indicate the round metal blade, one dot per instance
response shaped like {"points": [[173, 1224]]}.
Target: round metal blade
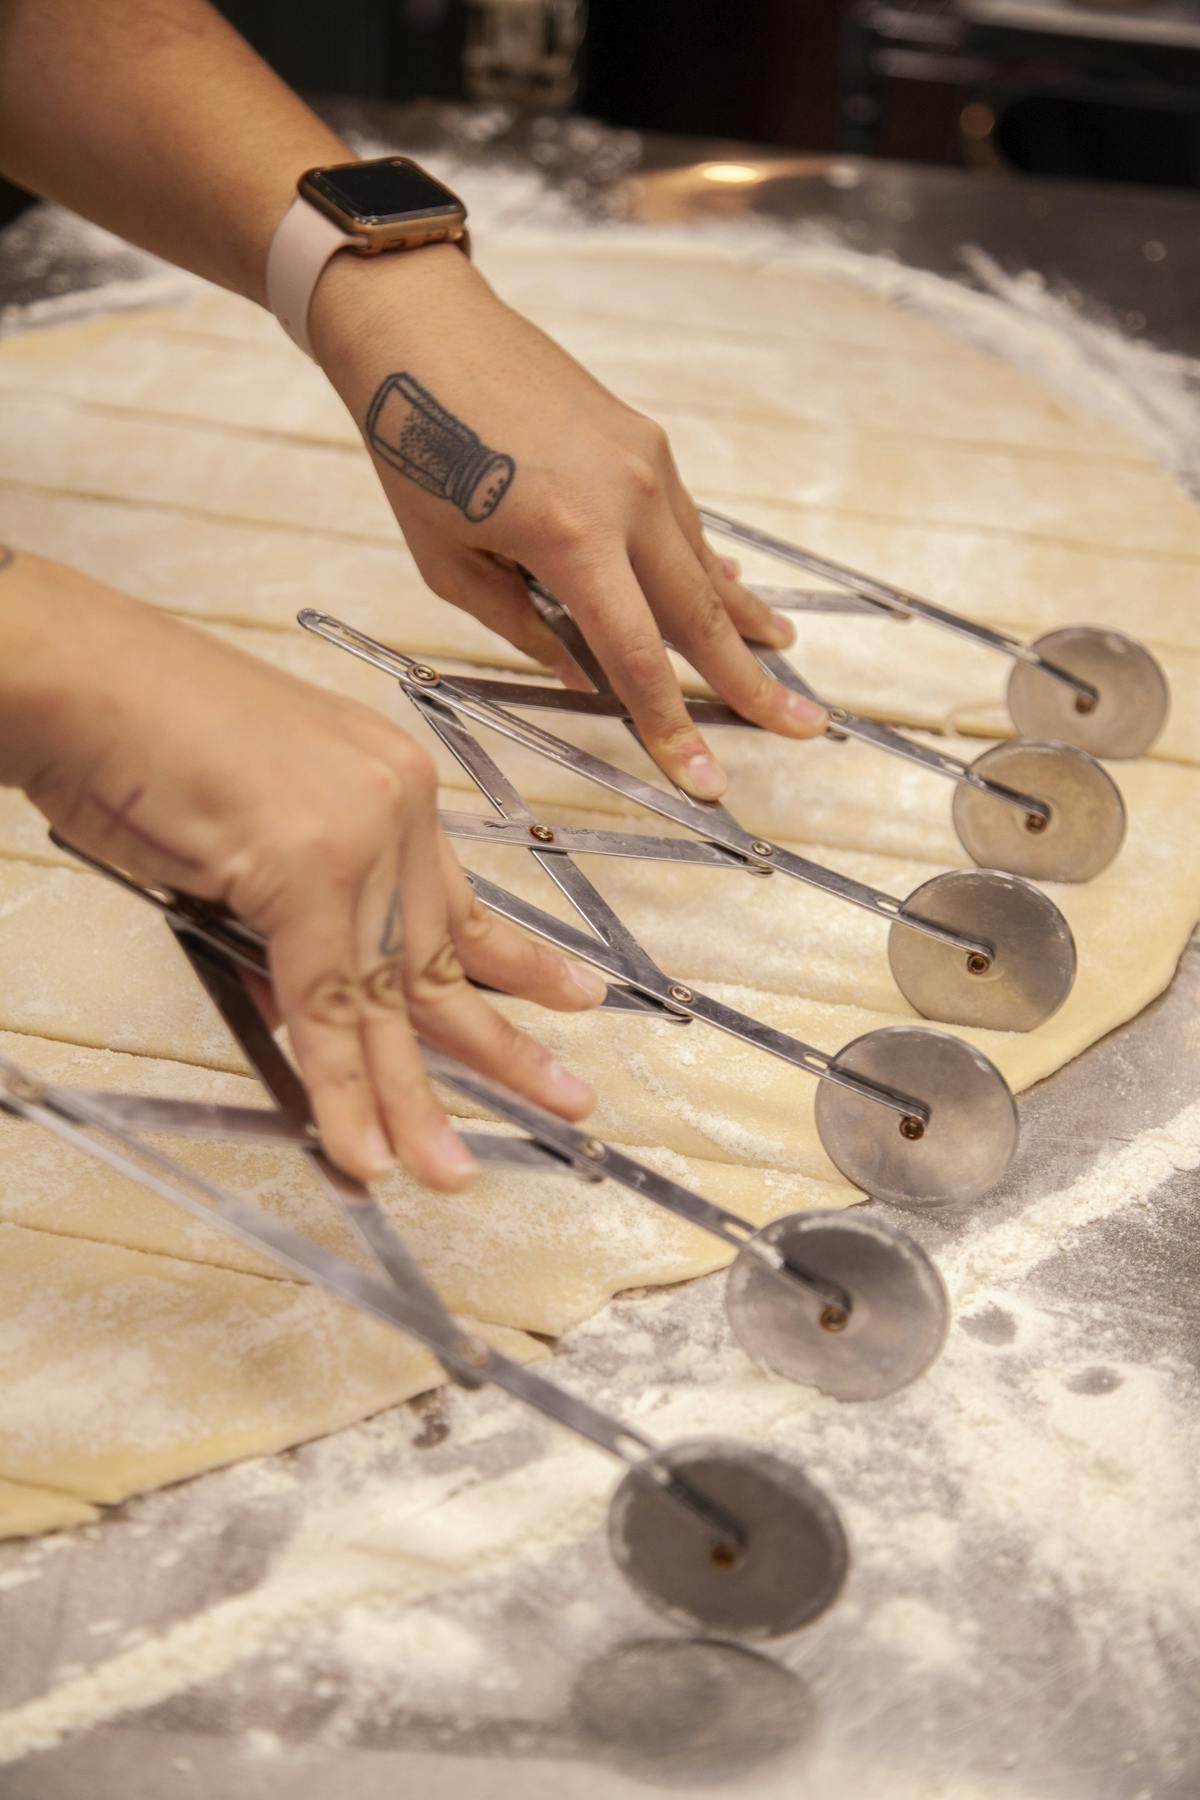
{"points": [[899, 1312], [1133, 692], [1086, 826], [1031, 970], [790, 1564], [972, 1130]]}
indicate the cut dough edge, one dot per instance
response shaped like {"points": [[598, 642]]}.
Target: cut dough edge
{"points": [[996, 566], [27, 1510], [606, 1239], [205, 1366]]}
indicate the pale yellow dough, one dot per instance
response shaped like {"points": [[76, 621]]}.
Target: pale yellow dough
{"points": [[191, 456]]}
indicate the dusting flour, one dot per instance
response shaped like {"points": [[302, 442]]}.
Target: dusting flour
{"points": [[1064, 1481]]}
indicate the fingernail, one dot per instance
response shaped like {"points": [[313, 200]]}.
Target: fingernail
{"points": [[378, 1152], [587, 981], [452, 1153], [785, 628], [730, 569], [705, 777], [568, 1086], [805, 712]]}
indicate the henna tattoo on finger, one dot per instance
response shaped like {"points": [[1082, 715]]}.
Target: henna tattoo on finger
{"points": [[385, 986], [415, 434], [333, 1000], [442, 974]]}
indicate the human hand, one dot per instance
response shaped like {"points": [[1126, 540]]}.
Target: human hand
{"points": [[148, 743], [498, 451]]}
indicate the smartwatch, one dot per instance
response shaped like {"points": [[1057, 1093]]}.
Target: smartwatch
{"points": [[389, 203]]}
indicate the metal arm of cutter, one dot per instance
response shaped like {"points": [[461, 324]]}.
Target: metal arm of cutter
{"points": [[708, 819], [215, 944], [842, 723], [688, 1001], [357, 1204], [590, 1156], [614, 951], [845, 724], [715, 714], [72, 1117], [494, 784], [890, 599], [256, 1125], [554, 1148], [585, 840], [551, 1145]]}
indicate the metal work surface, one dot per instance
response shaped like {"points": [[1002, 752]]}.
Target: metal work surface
{"points": [[1015, 1625]]}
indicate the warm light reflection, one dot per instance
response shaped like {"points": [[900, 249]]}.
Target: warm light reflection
{"points": [[730, 174]]}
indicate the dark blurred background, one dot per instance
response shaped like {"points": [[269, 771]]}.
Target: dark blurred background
{"points": [[1081, 88], [1057, 87]]}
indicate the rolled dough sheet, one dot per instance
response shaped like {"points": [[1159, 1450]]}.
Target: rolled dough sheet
{"points": [[75, 950], [125, 1370], [566, 1247], [191, 456], [228, 477]]}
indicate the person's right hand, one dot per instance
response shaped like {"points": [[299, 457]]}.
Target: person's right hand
{"points": [[151, 745]]}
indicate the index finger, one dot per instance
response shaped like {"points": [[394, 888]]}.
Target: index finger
{"points": [[612, 612]]}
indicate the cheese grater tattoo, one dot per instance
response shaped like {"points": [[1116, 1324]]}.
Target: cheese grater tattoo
{"points": [[409, 429]]}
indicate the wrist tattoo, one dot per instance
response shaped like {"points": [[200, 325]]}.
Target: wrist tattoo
{"points": [[410, 430]]}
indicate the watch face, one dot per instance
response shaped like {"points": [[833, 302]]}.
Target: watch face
{"points": [[391, 187]]}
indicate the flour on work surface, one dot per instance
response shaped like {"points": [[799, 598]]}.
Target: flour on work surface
{"points": [[393, 1591]]}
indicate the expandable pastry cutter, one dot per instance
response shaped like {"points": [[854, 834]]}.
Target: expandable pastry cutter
{"points": [[912, 1115], [712, 1532], [709, 1531], [846, 1303], [969, 947], [1082, 685]]}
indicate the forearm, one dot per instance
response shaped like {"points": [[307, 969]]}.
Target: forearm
{"points": [[61, 634], [156, 120]]}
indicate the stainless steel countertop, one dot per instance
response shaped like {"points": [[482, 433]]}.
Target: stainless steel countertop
{"points": [[607, 1703]]}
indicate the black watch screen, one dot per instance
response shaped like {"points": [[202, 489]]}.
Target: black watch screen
{"points": [[390, 188]]}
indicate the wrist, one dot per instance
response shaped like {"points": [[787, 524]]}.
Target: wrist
{"points": [[367, 311]]}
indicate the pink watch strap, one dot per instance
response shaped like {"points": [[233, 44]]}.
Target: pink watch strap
{"points": [[303, 243]]}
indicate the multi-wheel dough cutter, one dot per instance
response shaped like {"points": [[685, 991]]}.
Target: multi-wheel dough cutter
{"points": [[913, 1115], [710, 1531], [1009, 967]]}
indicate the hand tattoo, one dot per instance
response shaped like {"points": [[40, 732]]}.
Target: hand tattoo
{"points": [[120, 819], [409, 429], [391, 938]]}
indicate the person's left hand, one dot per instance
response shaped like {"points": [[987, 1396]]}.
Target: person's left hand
{"points": [[499, 452]]}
